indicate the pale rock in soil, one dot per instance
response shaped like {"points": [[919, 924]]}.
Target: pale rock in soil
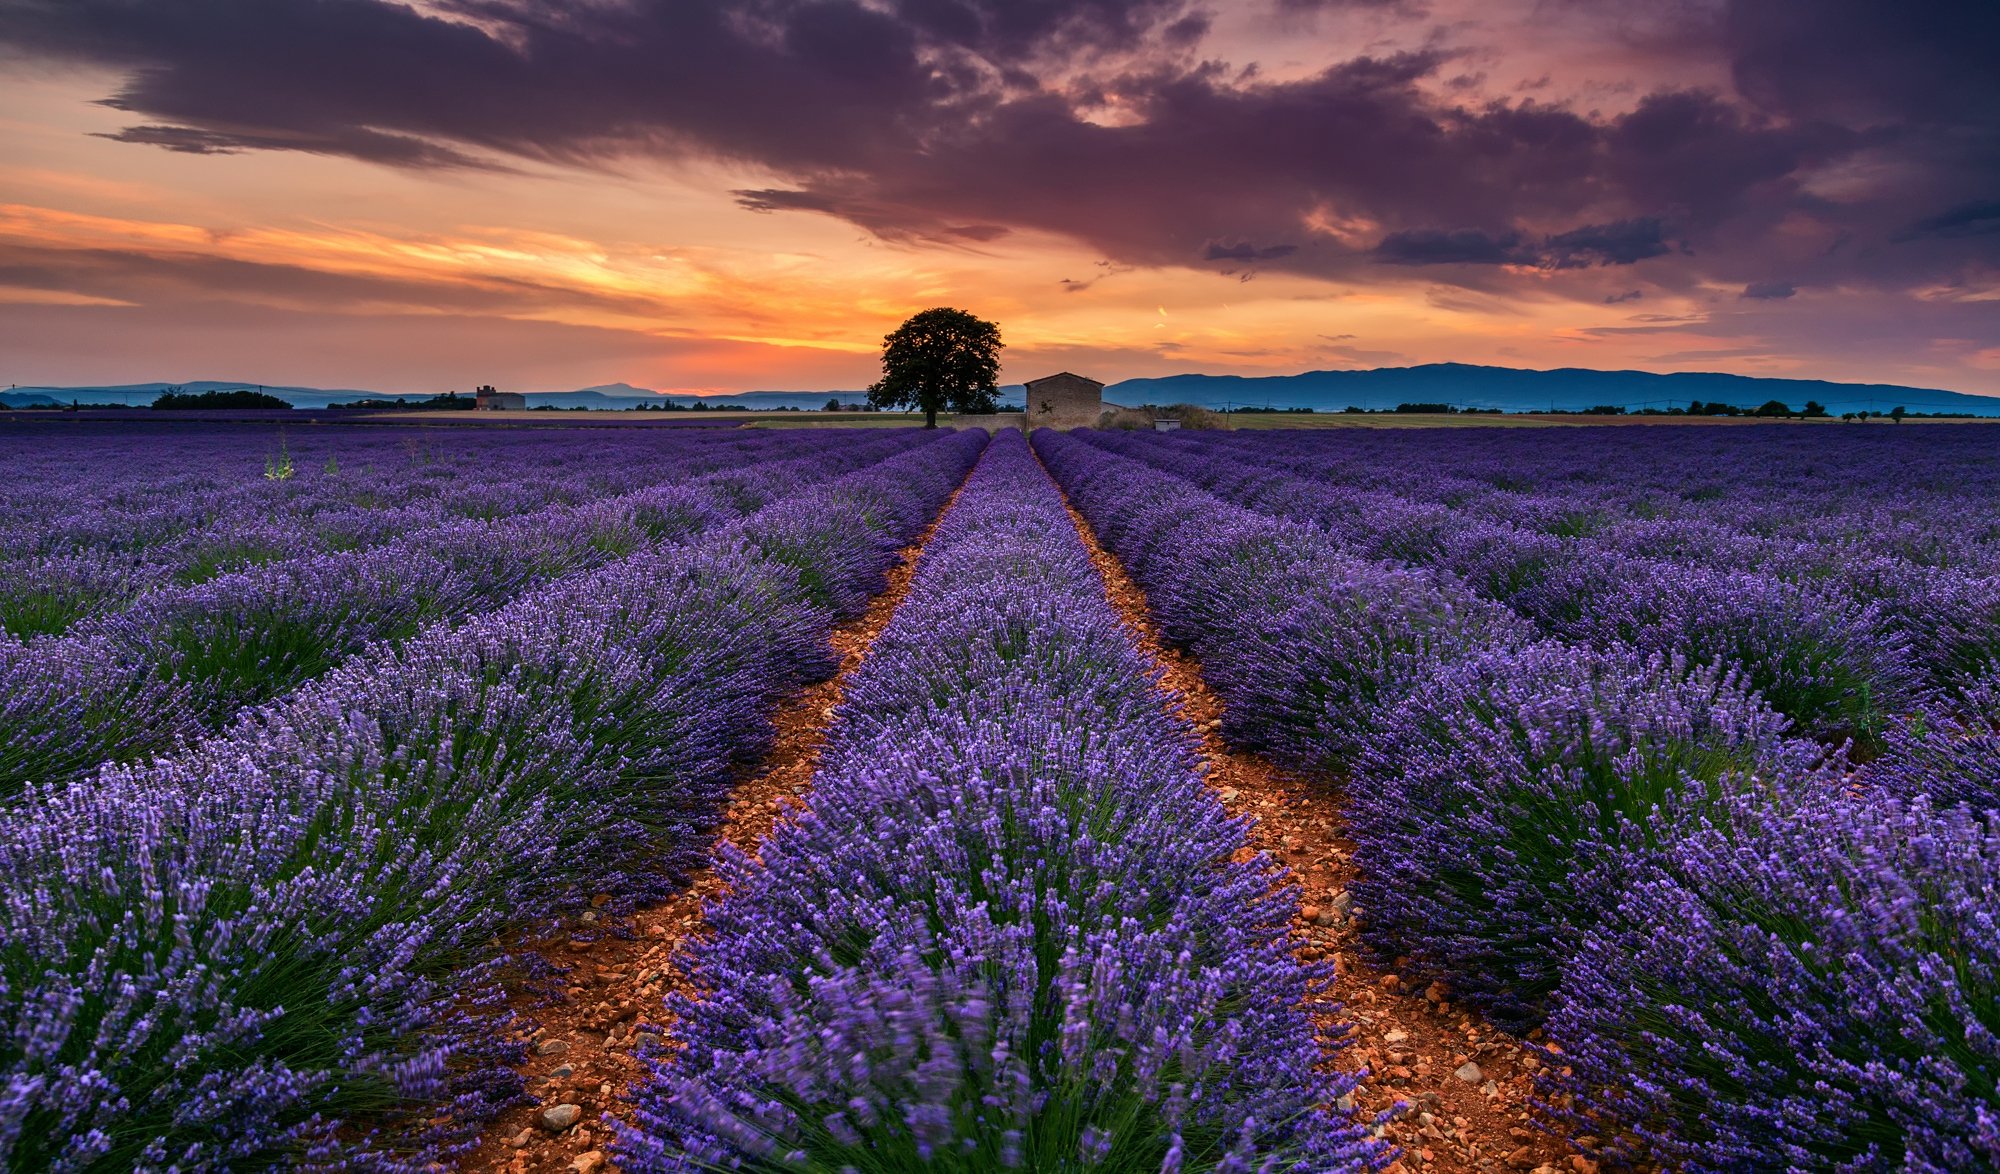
{"points": [[557, 1118]]}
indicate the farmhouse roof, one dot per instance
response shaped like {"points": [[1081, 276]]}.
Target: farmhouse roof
{"points": [[1059, 375]]}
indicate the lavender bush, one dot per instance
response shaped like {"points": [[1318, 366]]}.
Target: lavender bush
{"points": [[1803, 982], [1011, 930], [1832, 665], [181, 660], [252, 949], [1838, 665], [1499, 782], [1309, 646], [1949, 752]]}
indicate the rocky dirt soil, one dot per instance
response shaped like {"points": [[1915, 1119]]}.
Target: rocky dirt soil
{"points": [[1464, 1085], [585, 1055]]}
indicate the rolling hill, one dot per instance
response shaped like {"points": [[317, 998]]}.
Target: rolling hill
{"points": [[1487, 388], [1514, 390]]}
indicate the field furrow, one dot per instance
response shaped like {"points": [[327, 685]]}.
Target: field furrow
{"points": [[586, 1030], [1012, 926], [257, 947], [1459, 1088]]}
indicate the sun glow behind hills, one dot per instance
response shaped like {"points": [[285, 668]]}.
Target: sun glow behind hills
{"points": [[1387, 186]]}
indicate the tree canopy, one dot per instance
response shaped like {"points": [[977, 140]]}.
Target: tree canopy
{"points": [[940, 358], [234, 400]]}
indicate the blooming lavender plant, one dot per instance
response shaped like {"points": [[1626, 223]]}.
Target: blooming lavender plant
{"points": [[1308, 646], [1839, 666], [1012, 929], [108, 538], [1948, 752], [183, 659], [1831, 664], [1804, 981], [252, 949], [1497, 784]]}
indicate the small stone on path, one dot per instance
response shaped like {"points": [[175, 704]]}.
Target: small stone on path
{"points": [[557, 1118]]}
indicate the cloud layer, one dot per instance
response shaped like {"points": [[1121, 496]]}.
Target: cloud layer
{"points": [[1852, 152], [1876, 127]]}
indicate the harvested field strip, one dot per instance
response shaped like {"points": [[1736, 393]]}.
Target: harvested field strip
{"points": [[586, 1046], [1410, 1045]]}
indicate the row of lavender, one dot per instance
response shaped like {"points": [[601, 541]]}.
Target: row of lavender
{"points": [[256, 946], [1906, 662], [1843, 642], [159, 479], [1014, 928], [83, 531], [1869, 511], [1922, 494], [181, 660], [1742, 962]]}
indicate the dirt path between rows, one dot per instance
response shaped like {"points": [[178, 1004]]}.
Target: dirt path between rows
{"points": [[584, 1050], [1466, 1082]]}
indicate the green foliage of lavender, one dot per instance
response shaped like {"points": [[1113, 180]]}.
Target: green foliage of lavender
{"points": [[1012, 930], [1496, 786], [1801, 981], [253, 949]]}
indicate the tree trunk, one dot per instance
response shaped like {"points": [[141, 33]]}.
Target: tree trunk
{"points": [[930, 417]]}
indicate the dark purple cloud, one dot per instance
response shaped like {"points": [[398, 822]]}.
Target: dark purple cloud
{"points": [[1623, 242], [1245, 251], [1769, 291], [1459, 246], [1859, 144]]}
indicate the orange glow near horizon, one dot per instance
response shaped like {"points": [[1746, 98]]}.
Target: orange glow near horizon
{"points": [[304, 270]]}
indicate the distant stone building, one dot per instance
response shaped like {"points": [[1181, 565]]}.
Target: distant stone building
{"points": [[1064, 400], [485, 399]]}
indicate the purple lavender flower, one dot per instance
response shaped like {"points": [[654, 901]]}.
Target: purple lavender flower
{"points": [[1010, 929], [252, 949], [1804, 981], [1501, 780]]}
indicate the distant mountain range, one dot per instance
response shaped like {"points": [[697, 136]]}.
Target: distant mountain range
{"points": [[1511, 389], [1489, 388], [608, 396]]}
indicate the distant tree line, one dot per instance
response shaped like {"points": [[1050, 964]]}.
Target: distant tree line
{"points": [[238, 400], [450, 401]]}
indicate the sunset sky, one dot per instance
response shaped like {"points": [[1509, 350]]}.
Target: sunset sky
{"points": [[708, 196]]}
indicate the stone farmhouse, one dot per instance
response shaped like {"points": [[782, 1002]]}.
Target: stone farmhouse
{"points": [[1063, 400], [485, 399]]}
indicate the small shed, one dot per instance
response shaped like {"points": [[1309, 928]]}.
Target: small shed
{"points": [[485, 399], [1166, 424], [1064, 400]]}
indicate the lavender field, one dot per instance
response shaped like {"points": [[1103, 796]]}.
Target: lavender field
{"points": [[575, 799]]}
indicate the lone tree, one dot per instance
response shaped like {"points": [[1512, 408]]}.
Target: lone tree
{"points": [[940, 358]]}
